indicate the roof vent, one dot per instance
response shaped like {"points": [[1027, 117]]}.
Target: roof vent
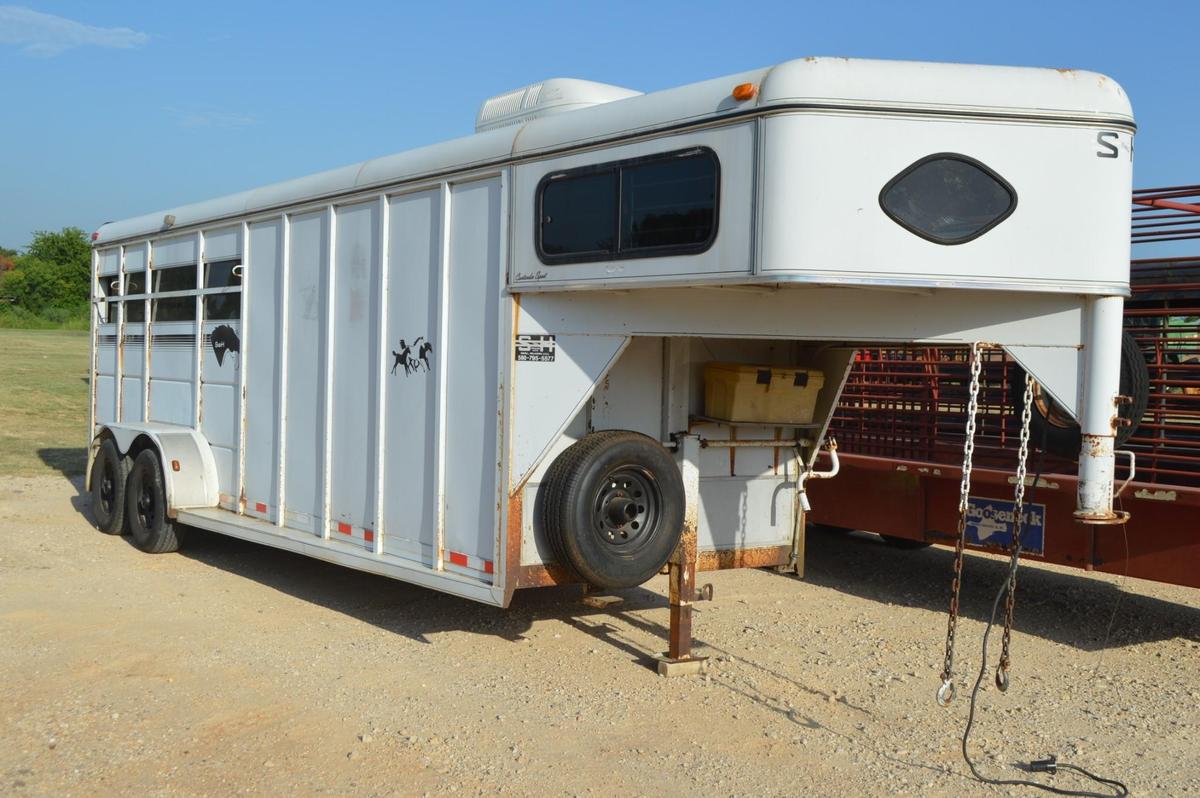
{"points": [[548, 97]]}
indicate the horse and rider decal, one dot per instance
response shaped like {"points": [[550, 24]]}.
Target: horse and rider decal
{"points": [[412, 363]]}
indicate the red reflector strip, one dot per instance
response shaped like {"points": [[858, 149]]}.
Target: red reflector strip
{"points": [[368, 536], [487, 567], [259, 507], [344, 528], [458, 559]]}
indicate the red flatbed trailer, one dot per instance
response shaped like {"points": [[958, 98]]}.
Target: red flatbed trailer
{"points": [[900, 470]]}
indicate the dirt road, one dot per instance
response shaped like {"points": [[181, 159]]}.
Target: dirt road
{"points": [[237, 669]]}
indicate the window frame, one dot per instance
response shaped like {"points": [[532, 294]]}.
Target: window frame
{"points": [[618, 253], [948, 156]]}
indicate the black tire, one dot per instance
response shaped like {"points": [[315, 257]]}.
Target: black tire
{"points": [[110, 471], [1049, 422], [904, 543], [146, 507], [613, 508]]}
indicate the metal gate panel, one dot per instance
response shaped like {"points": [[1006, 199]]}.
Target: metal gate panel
{"points": [[354, 372], [219, 408], [106, 369], [172, 371], [410, 515], [472, 399], [134, 354], [305, 344], [261, 292]]}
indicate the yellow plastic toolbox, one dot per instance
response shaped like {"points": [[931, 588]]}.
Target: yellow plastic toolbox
{"points": [[761, 394]]}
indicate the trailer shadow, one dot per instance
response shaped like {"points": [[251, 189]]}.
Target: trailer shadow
{"points": [[415, 612], [70, 461], [1073, 609]]}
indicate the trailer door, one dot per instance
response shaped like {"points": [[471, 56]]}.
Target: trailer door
{"points": [[472, 359], [222, 357]]}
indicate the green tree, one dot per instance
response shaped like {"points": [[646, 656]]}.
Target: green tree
{"points": [[68, 247], [39, 286], [49, 282]]}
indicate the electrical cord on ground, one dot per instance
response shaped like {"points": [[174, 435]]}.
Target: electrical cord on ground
{"points": [[1051, 764], [1112, 619]]}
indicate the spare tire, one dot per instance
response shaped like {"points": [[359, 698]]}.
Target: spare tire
{"points": [[613, 508], [1051, 423]]}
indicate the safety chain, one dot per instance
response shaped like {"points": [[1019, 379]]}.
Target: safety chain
{"points": [[1018, 521], [945, 693]]}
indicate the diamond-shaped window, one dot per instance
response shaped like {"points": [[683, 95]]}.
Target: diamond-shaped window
{"points": [[948, 198]]}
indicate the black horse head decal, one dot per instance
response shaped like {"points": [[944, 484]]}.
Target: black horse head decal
{"points": [[224, 339]]}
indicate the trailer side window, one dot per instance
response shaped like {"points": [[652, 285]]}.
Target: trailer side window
{"points": [[106, 297], [641, 208], [176, 308], [223, 274], [226, 274], [579, 214], [179, 278], [135, 283], [135, 309], [222, 306], [948, 198], [669, 203]]}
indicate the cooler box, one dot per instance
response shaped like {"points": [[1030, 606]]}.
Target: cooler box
{"points": [[761, 394]]}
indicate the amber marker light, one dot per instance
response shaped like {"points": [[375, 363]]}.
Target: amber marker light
{"points": [[744, 91], [174, 465]]}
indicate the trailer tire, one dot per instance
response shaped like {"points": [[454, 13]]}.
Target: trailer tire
{"points": [[146, 507], [614, 507], [110, 472], [1051, 423]]}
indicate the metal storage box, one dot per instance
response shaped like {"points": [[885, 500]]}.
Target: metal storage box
{"points": [[761, 394]]}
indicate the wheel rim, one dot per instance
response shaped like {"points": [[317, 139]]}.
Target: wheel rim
{"points": [[145, 506], [1050, 409], [108, 488], [626, 509]]}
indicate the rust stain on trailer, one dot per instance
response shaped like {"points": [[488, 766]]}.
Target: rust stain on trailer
{"points": [[545, 576], [762, 557], [512, 544]]}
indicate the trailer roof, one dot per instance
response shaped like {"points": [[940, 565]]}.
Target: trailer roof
{"points": [[826, 85]]}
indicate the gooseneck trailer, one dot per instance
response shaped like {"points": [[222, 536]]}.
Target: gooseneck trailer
{"points": [[606, 333], [901, 418]]}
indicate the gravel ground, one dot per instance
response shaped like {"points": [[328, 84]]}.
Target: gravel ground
{"points": [[237, 669]]}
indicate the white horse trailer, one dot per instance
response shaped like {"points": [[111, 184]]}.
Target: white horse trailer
{"points": [[482, 365]]}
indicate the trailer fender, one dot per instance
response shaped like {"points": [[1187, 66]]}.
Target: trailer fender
{"points": [[189, 470]]}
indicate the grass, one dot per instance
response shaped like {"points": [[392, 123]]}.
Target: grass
{"points": [[43, 402], [16, 318]]}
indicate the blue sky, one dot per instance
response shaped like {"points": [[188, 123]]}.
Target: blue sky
{"points": [[119, 108]]}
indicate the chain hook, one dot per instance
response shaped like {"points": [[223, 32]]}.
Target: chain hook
{"points": [[1015, 548], [945, 693]]}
